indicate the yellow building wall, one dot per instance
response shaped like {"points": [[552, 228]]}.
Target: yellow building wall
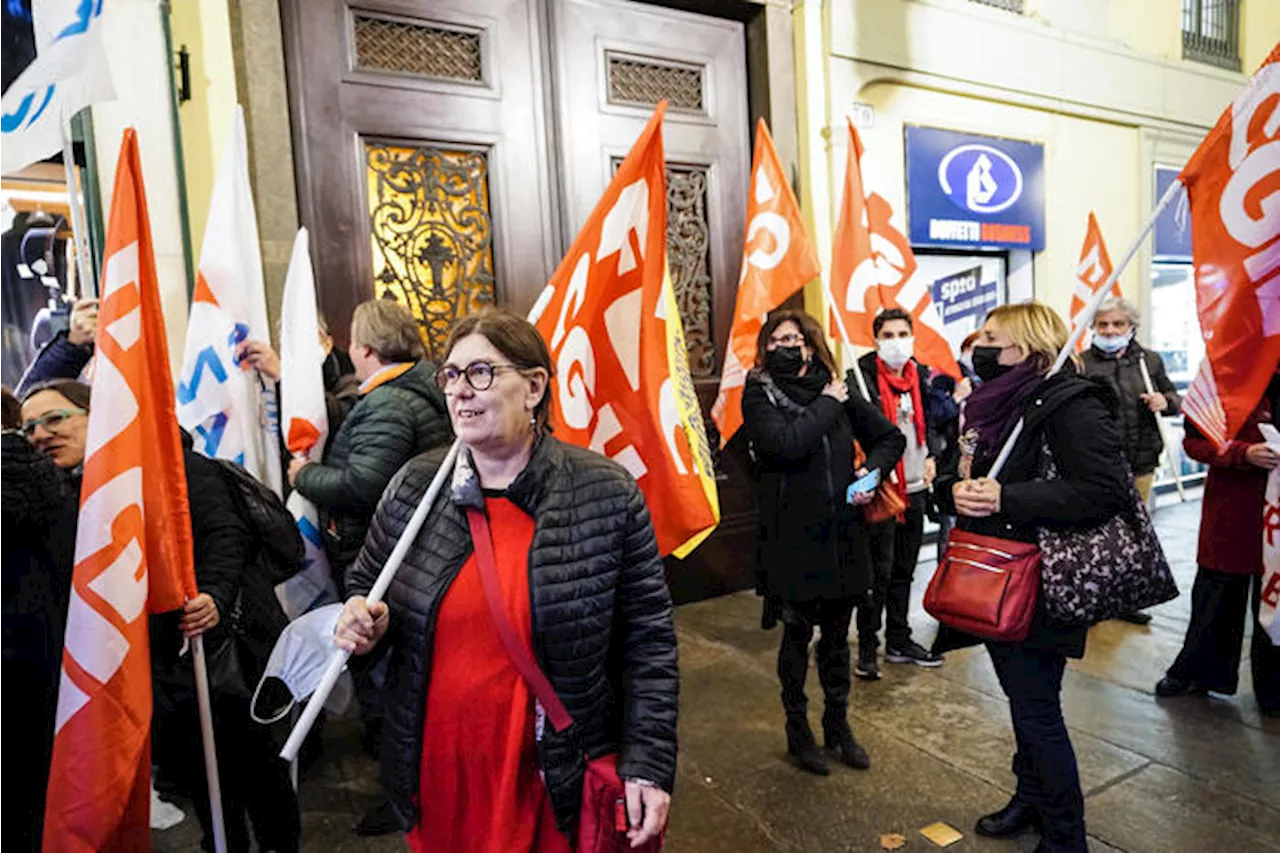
{"points": [[204, 27], [1259, 31]]}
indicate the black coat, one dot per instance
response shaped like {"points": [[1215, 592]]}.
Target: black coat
{"points": [[1076, 418], [602, 626], [1138, 427], [940, 409], [811, 541], [389, 426]]}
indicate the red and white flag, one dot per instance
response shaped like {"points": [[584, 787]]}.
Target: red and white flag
{"points": [[1233, 182], [1091, 273], [622, 384], [777, 260], [133, 552]]}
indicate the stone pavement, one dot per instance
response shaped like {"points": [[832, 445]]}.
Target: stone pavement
{"points": [[1160, 776]]}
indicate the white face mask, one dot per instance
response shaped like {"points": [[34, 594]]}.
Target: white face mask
{"points": [[1113, 343], [299, 660], [896, 352]]}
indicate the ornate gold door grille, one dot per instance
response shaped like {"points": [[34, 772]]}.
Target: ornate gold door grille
{"points": [[421, 49], [432, 233]]}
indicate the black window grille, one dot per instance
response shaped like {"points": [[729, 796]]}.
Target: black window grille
{"points": [[1014, 6], [1211, 32]]}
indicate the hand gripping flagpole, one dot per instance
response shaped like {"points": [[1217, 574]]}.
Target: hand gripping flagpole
{"points": [[1086, 317], [210, 752], [338, 661], [1166, 437]]}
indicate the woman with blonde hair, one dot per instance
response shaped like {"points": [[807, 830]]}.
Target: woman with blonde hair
{"points": [[1071, 422]]}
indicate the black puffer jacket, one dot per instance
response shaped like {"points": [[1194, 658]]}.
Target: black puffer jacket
{"points": [[1076, 419], [1138, 428], [389, 426], [602, 627]]}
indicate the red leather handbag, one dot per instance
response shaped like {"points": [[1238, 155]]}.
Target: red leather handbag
{"points": [[602, 821], [985, 586]]}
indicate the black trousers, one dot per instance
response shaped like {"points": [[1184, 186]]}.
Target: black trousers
{"points": [[1045, 763], [1210, 655], [832, 617], [253, 778], [894, 549]]}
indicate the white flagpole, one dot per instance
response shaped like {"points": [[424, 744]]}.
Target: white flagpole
{"points": [[1086, 316], [847, 341], [1166, 437], [206, 735], [79, 228], [339, 659]]}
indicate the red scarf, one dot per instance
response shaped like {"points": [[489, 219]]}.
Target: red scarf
{"points": [[891, 387]]}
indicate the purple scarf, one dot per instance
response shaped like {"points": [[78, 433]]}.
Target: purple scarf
{"points": [[994, 407]]}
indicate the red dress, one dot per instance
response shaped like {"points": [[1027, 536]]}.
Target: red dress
{"points": [[480, 786]]}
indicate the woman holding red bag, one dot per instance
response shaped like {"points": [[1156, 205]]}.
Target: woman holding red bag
{"points": [[539, 556], [1072, 419]]}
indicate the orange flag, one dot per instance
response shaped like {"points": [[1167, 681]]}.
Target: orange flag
{"points": [[855, 274], [1232, 182], [777, 259], [622, 385], [133, 551], [1094, 268], [900, 287]]}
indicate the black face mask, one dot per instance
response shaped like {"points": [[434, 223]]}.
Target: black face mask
{"points": [[986, 363], [784, 362]]}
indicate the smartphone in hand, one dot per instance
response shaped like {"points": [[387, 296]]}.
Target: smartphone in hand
{"points": [[863, 484]]}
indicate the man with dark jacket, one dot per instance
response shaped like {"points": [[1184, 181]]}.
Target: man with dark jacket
{"points": [[1117, 359], [905, 392]]}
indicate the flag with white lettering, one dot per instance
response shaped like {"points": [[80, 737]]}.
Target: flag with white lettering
{"points": [[305, 424], [856, 270], [133, 550], [1091, 273], [1231, 182], [622, 384], [777, 260], [69, 73], [231, 412]]}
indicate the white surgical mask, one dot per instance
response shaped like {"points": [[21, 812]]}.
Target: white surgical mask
{"points": [[300, 658], [1112, 343], [896, 352]]}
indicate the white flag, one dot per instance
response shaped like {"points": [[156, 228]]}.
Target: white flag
{"points": [[1267, 615], [69, 73], [231, 413], [305, 423]]}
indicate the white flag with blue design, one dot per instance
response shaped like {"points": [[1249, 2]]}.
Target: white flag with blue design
{"points": [[305, 423], [230, 412], [69, 73]]}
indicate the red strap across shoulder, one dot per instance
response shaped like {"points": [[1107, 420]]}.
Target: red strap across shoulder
{"points": [[520, 657]]}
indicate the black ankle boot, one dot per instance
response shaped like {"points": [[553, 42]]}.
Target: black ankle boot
{"points": [[1014, 819], [804, 749], [840, 742]]}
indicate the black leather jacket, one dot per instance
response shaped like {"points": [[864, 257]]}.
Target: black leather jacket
{"points": [[602, 618]]}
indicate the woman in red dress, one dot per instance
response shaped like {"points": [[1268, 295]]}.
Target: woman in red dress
{"points": [[467, 761]]}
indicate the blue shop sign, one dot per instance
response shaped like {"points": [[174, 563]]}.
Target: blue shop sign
{"points": [[969, 191], [1173, 225], [964, 294]]}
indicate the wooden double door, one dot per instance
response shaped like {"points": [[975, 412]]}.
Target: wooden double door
{"points": [[447, 152]]}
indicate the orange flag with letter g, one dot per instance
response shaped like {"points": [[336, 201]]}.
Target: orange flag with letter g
{"points": [[1233, 184], [855, 279], [133, 551], [777, 260], [622, 384]]}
